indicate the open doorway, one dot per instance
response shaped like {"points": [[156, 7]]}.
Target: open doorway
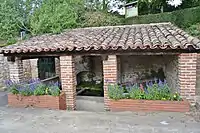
{"points": [[89, 77]]}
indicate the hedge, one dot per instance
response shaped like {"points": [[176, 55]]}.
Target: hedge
{"points": [[182, 18]]}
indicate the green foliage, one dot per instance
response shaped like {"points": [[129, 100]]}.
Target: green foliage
{"points": [[182, 18], [36, 88], [115, 92], [40, 89], [48, 16], [13, 89], [54, 90], [95, 19], [153, 92], [90, 85], [11, 41], [55, 15], [136, 93], [26, 92], [8, 19], [14, 17], [194, 30]]}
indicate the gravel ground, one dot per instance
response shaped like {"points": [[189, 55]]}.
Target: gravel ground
{"points": [[30, 120]]}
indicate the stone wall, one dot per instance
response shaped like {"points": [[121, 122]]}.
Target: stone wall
{"points": [[34, 68], [88, 68], [4, 70], [27, 70], [171, 73], [30, 69], [135, 68]]}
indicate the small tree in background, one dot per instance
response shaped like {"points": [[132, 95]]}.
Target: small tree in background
{"points": [[56, 15]]}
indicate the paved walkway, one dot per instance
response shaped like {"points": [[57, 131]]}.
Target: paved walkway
{"points": [[20, 120], [29, 120]]}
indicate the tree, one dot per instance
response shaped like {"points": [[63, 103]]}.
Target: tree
{"points": [[98, 18], [54, 16], [14, 17], [9, 14]]}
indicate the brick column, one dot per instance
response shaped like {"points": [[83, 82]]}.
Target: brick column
{"points": [[16, 70], [67, 71], [110, 76], [57, 66], [187, 63]]}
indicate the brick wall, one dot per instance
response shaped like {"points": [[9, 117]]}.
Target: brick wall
{"points": [[187, 64], [67, 70], [110, 75], [198, 76], [57, 66]]}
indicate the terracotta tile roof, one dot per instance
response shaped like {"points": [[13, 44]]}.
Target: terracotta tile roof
{"points": [[146, 36]]}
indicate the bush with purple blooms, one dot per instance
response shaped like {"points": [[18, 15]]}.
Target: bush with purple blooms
{"points": [[33, 87], [153, 90]]}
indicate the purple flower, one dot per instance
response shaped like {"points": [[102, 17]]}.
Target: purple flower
{"points": [[145, 90], [165, 81], [150, 84], [57, 83], [160, 83], [9, 83], [32, 87], [20, 88]]}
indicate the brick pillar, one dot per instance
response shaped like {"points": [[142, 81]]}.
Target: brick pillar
{"points": [[187, 63], [57, 66], [198, 76], [110, 76], [16, 70], [67, 71]]}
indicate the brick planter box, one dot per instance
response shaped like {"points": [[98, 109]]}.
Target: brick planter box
{"points": [[45, 101], [149, 105]]}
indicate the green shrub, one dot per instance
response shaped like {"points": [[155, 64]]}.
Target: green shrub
{"points": [[33, 87], [54, 90], [26, 92], [194, 30], [151, 91], [182, 18], [13, 89], [40, 89], [97, 18], [136, 93], [54, 16], [115, 92]]}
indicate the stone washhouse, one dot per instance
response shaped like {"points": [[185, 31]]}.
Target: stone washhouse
{"points": [[118, 54]]}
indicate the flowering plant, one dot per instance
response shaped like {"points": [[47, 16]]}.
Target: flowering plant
{"points": [[153, 90], [33, 87]]}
